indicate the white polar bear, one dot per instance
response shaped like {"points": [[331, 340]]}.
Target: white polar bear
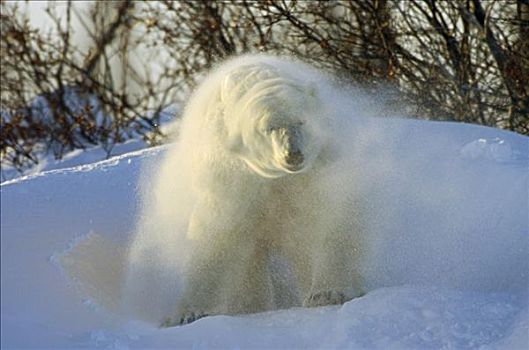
{"points": [[262, 154]]}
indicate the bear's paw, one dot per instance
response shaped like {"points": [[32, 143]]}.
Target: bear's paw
{"points": [[186, 318], [328, 297]]}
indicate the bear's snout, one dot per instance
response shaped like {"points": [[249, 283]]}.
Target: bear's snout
{"points": [[294, 159]]}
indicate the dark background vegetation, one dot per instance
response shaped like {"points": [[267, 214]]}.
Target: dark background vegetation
{"points": [[460, 60]]}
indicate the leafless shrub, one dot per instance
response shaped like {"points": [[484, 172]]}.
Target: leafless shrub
{"points": [[461, 60], [56, 97]]}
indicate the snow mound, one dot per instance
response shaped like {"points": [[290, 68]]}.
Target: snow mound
{"points": [[496, 149], [441, 276]]}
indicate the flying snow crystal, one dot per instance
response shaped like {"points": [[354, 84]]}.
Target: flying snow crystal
{"points": [[426, 216]]}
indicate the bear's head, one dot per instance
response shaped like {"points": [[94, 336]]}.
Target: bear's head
{"points": [[272, 121]]}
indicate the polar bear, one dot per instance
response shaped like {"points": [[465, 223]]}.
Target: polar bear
{"points": [[262, 151]]}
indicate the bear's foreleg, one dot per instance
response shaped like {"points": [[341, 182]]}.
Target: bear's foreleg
{"points": [[227, 272], [335, 274]]}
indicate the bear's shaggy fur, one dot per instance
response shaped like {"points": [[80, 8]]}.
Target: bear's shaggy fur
{"points": [[261, 149]]}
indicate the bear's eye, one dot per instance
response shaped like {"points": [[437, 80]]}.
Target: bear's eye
{"points": [[275, 128], [298, 124]]}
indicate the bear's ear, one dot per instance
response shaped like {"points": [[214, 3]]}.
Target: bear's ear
{"points": [[233, 86], [226, 88]]}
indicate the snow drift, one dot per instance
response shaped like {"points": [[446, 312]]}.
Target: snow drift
{"points": [[446, 262]]}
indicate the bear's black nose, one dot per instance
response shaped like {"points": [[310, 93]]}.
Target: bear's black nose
{"points": [[294, 158]]}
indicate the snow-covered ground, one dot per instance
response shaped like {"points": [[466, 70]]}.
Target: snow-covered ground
{"points": [[81, 157], [450, 272], [70, 160]]}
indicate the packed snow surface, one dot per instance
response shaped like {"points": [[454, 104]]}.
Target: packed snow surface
{"points": [[64, 234], [446, 262]]}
